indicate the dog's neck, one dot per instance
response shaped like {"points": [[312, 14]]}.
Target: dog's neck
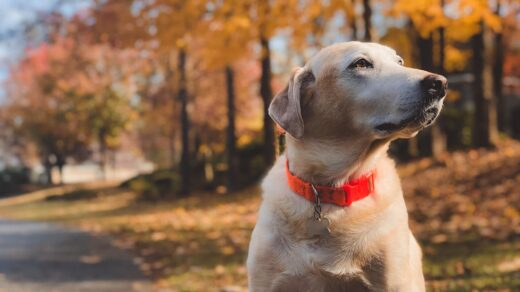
{"points": [[326, 163]]}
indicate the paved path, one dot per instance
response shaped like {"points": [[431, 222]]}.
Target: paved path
{"points": [[43, 257]]}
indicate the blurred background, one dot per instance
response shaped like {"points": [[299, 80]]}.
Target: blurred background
{"points": [[146, 120]]}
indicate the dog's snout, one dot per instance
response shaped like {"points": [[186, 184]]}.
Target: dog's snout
{"points": [[435, 86]]}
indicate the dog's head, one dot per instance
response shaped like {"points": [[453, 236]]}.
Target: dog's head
{"points": [[358, 89]]}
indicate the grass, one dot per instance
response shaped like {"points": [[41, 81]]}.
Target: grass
{"points": [[200, 243], [473, 266]]}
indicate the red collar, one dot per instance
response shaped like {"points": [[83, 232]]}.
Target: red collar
{"points": [[344, 195]]}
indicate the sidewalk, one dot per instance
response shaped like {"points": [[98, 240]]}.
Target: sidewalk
{"points": [[46, 257]]}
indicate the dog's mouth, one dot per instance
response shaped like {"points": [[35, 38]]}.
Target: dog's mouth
{"points": [[393, 127], [423, 118]]}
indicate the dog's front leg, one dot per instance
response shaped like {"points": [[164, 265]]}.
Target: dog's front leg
{"points": [[263, 264], [262, 271], [399, 268]]}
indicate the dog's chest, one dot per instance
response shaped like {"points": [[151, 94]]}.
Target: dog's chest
{"points": [[337, 251]]}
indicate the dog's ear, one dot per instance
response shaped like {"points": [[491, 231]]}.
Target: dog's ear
{"points": [[285, 109]]}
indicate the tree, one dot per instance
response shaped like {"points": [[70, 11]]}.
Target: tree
{"points": [[182, 95], [438, 137], [350, 14], [118, 25], [266, 17], [228, 34], [427, 19], [498, 71], [367, 19], [266, 92], [70, 93], [174, 22], [231, 134], [485, 131], [156, 132], [45, 109], [243, 23]]}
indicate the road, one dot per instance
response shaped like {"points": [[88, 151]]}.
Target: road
{"points": [[45, 257]]}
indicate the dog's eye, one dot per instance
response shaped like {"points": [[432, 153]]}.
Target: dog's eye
{"points": [[361, 63], [400, 62]]}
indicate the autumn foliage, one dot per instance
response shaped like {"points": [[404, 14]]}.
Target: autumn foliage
{"points": [[189, 82]]}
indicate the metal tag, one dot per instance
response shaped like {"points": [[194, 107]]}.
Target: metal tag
{"points": [[318, 227]]}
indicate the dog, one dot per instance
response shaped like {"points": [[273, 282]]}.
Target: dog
{"points": [[333, 216]]}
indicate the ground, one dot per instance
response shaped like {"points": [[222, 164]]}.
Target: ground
{"points": [[464, 209]]}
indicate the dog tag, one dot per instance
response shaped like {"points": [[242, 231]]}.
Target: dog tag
{"points": [[319, 227]]}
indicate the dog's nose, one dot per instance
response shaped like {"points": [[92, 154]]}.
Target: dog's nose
{"points": [[435, 86]]}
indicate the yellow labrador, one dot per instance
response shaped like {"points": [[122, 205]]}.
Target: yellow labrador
{"points": [[341, 111]]}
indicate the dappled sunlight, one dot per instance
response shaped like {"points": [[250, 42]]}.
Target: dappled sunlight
{"points": [[463, 210], [472, 194], [179, 243]]}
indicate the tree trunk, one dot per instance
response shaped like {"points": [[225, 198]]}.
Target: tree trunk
{"points": [[410, 148], [102, 153], [47, 165], [60, 171], [60, 163], [113, 162], [367, 18], [425, 52], [185, 126], [351, 18], [171, 145], [425, 139], [438, 137], [498, 74], [484, 128], [266, 92], [231, 136], [171, 130], [413, 147], [209, 172]]}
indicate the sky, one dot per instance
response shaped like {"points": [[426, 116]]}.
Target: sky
{"points": [[15, 15]]}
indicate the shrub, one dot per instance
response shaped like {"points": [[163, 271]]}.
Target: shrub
{"points": [[155, 186], [11, 179]]}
